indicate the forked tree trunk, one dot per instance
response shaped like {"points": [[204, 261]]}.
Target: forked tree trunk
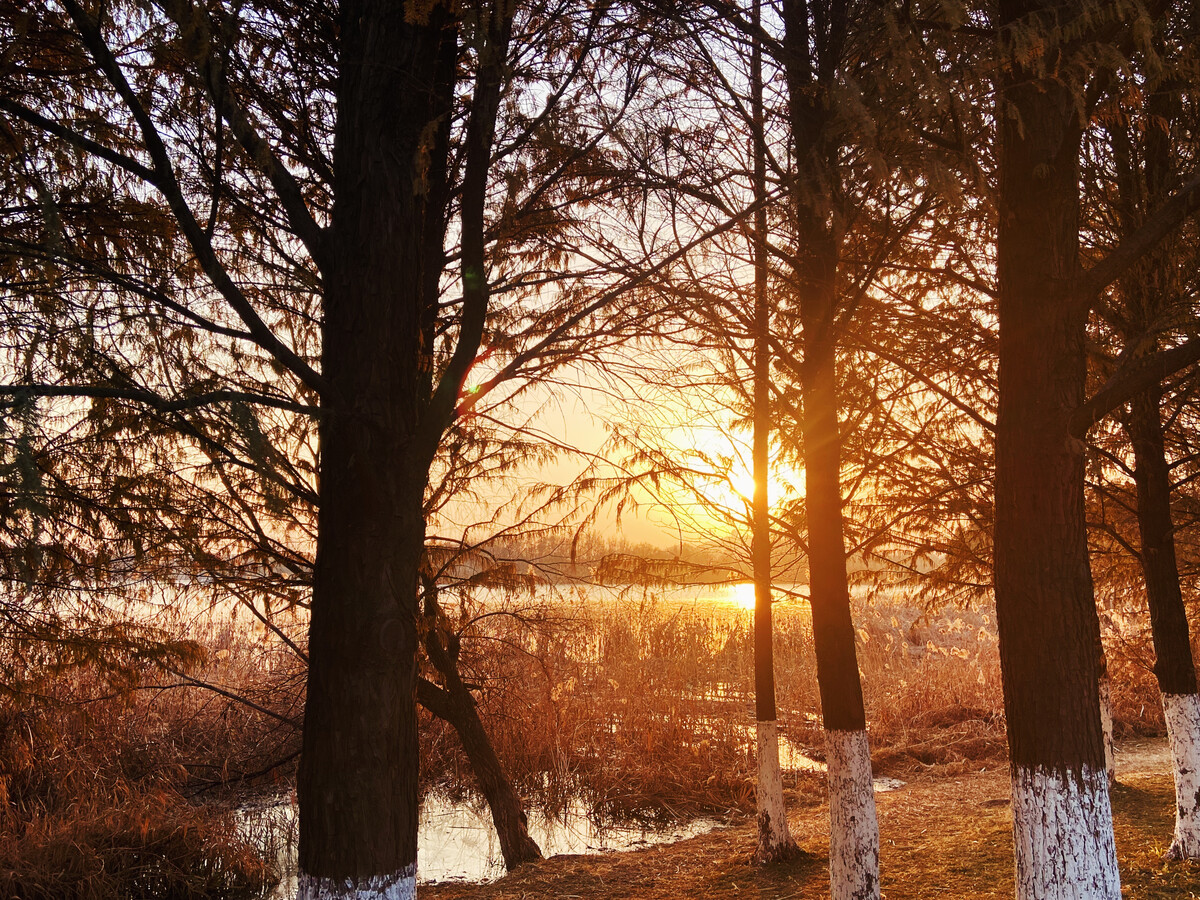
{"points": [[1145, 180], [774, 839], [359, 767], [1045, 605], [1174, 667]]}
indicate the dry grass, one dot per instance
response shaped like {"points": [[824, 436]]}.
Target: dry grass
{"points": [[104, 791], [641, 708], [941, 837], [645, 708], [151, 845]]}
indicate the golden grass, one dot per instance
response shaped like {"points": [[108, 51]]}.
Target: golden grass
{"points": [[103, 791], [941, 838], [645, 708], [641, 708]]}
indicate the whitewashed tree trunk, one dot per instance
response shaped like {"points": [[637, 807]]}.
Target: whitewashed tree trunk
{"points": [[1182, 712], [853, 826], [774, 840], [400, 886], [1062, 825], [1106, 723]]}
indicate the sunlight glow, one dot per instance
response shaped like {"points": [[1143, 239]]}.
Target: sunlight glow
{"points": [[743, 596], [742, 483]]}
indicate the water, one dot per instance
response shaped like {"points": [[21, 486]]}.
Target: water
{"points": [[792, 758], [456, 840]]}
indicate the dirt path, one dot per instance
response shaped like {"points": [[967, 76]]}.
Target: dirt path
{"points": [[942, 837]]}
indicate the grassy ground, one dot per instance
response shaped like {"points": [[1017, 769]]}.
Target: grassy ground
{"points": [[942, 837]]}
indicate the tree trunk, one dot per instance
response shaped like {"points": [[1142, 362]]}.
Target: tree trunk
{"points": [[358, 773], [456, 706], [1173, 665], [1104, 689], [774, 839], [1045, 605], [813, 55], [854, 828]]}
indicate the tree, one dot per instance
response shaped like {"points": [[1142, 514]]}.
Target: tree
{"points": [[333, 150], [849, 208], [1146, 309], [774, 839], [825, 47], [1044, 599]]}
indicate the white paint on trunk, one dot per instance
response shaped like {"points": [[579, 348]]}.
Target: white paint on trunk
{"points": [[853, 827], [400, 885], [774, 839], [1182, 712], [1062, 825], [1106, 724]]}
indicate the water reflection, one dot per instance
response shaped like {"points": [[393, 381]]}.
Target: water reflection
{"points": [[457, 842], [793, 758]]}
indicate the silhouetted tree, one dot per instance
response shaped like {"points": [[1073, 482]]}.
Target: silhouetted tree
{"points": [[1044, 598]]}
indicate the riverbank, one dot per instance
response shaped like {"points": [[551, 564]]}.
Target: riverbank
{"points": [[941, 837]]}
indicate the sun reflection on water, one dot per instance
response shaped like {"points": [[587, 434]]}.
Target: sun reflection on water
{"points": [[742, 596]]}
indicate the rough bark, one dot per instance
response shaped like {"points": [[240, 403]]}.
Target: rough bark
{"points": [[400, 885], [1182, 712], [358, 773], [774, 838], [854, 834], [1059, 852], [1045, 604]]}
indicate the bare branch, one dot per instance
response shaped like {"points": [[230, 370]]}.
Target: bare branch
{"points": [[1131, 379], [167, 183], [76, 139], [154, 400], [481, 132], [212, 65]]}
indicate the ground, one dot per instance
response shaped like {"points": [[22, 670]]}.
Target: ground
{"points": [[941, 837]]}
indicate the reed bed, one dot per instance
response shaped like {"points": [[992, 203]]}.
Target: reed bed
{"points": [[640, 707], [645, 708], [109, 780]]}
